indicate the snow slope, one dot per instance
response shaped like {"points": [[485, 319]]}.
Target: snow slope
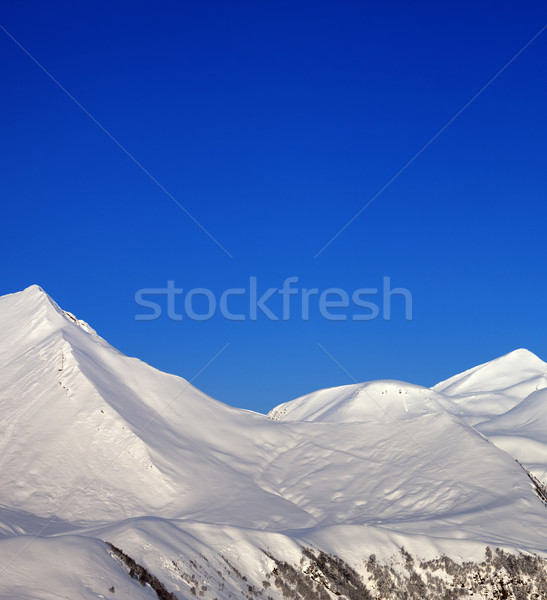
{"points": [[506, 400], [96, 446], [522, 432]]}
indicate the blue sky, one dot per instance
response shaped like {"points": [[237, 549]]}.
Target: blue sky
{"points": [[273, 124]]}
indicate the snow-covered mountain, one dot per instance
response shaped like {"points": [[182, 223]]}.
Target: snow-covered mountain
{"points": [[214, 501]]}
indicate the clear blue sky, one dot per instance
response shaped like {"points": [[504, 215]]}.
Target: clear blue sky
{"points": [[273, 123]]}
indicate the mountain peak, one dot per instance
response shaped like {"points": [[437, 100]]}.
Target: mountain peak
{"points": [[32, 312], [494, 387], [33, 295], [381, 400], [34, 289], [498, 374], [521, 354]]}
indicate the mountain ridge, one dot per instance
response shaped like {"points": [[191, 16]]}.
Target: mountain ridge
{"points": [[96, 446]]}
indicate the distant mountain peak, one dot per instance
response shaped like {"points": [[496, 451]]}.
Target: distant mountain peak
{"points": [[520, 354], [381, 400], [501, 373], [494, 387]]}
